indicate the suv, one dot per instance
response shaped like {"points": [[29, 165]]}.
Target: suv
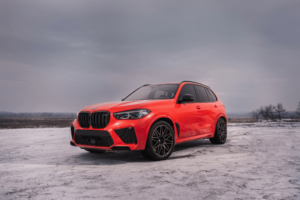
{"points": [[152, 119]]}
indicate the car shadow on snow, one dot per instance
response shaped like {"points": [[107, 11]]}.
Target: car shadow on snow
{"points": [[121, 157]]}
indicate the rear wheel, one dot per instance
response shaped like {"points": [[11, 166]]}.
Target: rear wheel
{"points": [[94, 150], [220, 133], [160, 142]]}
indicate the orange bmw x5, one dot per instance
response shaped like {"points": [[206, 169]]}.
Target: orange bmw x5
{"points": [[152, 120]]}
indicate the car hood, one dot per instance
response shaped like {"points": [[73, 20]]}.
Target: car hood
{"points": [[121, 105]]}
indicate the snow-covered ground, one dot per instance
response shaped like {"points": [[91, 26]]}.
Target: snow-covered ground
{"points": [[259, 161]]}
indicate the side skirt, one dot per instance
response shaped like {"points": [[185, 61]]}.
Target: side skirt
{"points": [[204, 136]]}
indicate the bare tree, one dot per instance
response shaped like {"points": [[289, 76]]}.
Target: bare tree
{"points": [[280, 111], [298, 109], [269, 111], [255, 114], [262, 112]]}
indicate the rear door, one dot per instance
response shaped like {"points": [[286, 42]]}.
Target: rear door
{"points": [[214, 104], [188, 116], [206, 111]]}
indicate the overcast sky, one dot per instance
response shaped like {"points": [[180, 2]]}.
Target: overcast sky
{"points": [[64, 55]]}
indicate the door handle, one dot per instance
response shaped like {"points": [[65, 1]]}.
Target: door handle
{"points": [[216, 106], [198, 107]]}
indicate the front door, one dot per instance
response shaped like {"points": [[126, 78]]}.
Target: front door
{"points": [[188, 116]]}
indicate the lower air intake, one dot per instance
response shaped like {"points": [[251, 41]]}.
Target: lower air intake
{"points": [[93, 138]]}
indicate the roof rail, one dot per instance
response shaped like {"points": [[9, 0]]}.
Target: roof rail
{"points": [[195, 82]]}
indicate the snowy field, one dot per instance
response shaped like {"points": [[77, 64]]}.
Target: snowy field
{"points": [[259, 161]]}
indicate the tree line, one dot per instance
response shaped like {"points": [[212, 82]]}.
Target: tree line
{"points": [[272, 112], [38, 114]]}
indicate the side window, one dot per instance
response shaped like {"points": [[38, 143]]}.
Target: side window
{"points": [[187, 89], [201, 94], [211, 95]]}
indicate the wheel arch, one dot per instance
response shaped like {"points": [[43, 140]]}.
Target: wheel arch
{"points": [[219, 117], [168, 120], [162, 118], [223, 118], [214, 140]]}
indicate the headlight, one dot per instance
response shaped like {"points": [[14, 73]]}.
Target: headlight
{"points": [[132, 114]]}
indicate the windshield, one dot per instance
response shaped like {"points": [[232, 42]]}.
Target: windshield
{"points": [[165, 91]]}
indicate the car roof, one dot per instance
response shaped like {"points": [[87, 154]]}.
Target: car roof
{"points": [[179, 83]]}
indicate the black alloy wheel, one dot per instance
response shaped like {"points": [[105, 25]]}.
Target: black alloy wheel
{"points": [[220, 133], [160, 142]]}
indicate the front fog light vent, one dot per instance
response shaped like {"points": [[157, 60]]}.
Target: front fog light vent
{"points": [[127, 135]]}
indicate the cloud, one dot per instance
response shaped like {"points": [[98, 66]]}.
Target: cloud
{"points": [[62, 56]]}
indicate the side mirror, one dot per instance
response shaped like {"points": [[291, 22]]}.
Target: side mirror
{"points": [[186, 98]]}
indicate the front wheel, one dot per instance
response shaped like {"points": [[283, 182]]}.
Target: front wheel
{"points": [[160, 142], [220, 133]]}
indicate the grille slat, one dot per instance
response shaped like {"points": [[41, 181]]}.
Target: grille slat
{"points": [[93, 119], [102, 119], [107, 119], [99, 120]]}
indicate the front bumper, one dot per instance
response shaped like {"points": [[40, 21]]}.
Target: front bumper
{"points": [[118, 134]]}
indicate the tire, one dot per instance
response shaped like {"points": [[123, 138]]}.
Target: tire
{"points": [[220, 133], [94, 150], [160, 142]]}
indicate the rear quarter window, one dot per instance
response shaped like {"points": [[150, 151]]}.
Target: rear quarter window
{"points": [[211, 95], [202, 95]]}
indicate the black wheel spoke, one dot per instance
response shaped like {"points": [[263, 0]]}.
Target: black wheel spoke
{"points": [[167, 148], [160, 150], [168, 136], [157, 133], [156, 145], [168, 141], [163, 132]]}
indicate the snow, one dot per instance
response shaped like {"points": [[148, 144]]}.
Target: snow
{"points": [[265, 123], [259, 161]]}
